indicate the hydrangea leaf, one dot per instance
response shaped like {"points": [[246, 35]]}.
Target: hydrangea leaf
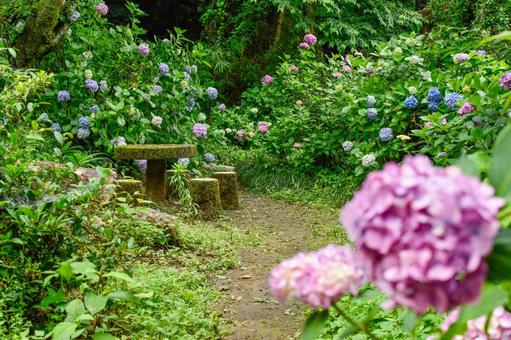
{"points": [[500, 164], [314, 325], [498, 261]]}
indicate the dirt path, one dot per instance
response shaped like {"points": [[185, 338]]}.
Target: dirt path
{"points": [[283, 230]]}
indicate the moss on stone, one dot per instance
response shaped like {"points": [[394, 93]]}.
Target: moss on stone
{"points": [[155, 185], [154, 151], [228, 182], [206, 194], [130, 186]]}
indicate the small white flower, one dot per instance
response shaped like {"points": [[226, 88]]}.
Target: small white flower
{"points": [[412, 90], [254, 110], [87, 55], [368, 160], [88, 74], [414, 59], [398, 51], [156, 121]]}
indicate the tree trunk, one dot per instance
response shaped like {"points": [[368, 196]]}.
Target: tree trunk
{"points": [[42, 34]]}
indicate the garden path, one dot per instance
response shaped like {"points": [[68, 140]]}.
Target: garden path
{"points": [[282, 230]]}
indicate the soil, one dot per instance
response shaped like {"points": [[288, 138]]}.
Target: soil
{"points": [[283, 230]]}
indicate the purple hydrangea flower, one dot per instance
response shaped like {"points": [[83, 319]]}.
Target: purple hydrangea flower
{"points": [[452, 99], [158, 89], [222, 107], [293, 68], [142, 164], [372, 113], [505, 81], [102, 9], [347, 146], [423, 232], [200, 130], [460, 58], [263, 127], [411, 103], [497, 328], [94, 109], [56, 127], [63, 96], [83, 133], [319, 278], [83, 122], [267, 80], [386, 134], [304, 45], [191, 104], [164, 69], [310, 39], [183, 161], [92, 85], [119, 141], [212, 93], [481, 53], [467, 107], [143, 49], [103, 86], [209, 158]]}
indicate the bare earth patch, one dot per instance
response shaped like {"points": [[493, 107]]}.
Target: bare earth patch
{"points": [[283, 230]]}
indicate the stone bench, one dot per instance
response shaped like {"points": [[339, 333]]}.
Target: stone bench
{"points": [[156, 155]]}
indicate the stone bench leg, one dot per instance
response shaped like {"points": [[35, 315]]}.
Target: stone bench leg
{"points": [[156, 188], [132, 187], [228, 181], [206, 194]]}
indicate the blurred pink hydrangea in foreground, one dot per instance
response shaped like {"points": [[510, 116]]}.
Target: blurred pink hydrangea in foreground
{"points": [[319, 278], [499, 327], [422, 233]]}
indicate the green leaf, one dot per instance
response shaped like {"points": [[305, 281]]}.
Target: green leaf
{"points": [[314, 325], [468, 166], [95, 303], [409, 320], [103, 336], [74, 310], [498, 261], [65, 271], [500, 164], [491, 297], [122, 295], [122, 276], [63, 331], [53, 298], [506, 35]]}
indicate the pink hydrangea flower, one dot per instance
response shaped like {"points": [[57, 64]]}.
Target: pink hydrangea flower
{"points": [[263, 127], [423, 232], [297, 145], [200, 130], [428, 124], [267, 80], [304, 45], [467, 107], [143, 49], [240, 134], [310, 39], [293, 68], [505, 80], [319, 278], [222, 107], [499, 326], [228, 130], [299, 102], [444, 121], [102, 9], [338, 75], [347, 68]]}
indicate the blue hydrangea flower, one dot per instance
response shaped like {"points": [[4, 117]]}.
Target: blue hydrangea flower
{"points": [[94, 109], [433, 106], [209, 157], [212, 93], [434, 95], [452, 99], [411, 103], [83, 122], [164, 69], [183, 161], [63, 96], [56, 127], [371, 101], [187, 76], [44, 117], [103, 86], [372, 113], [347, 146], [92, 85], [158, 89], [75, 16], [83, 133], [191, 104], [386, 134]]}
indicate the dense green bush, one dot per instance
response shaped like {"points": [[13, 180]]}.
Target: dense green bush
{"points": [[320, 106]]}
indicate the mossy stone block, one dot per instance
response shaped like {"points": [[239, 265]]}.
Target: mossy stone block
{"points": [[228, 182], [132, 187], [206, 194], [154, 151]]}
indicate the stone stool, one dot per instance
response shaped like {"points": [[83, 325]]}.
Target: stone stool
{"points": [[228, 181], [132, 187], [205, 193]]}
